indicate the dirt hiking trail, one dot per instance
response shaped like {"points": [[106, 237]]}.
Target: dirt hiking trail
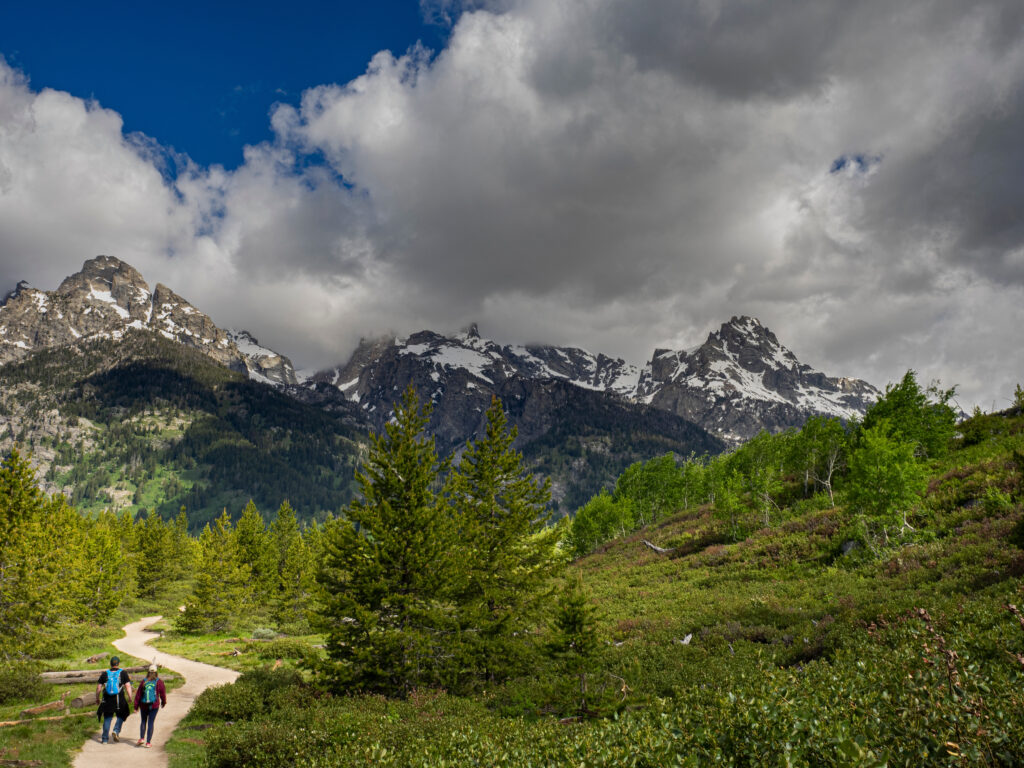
{"points": [[198, 677]]}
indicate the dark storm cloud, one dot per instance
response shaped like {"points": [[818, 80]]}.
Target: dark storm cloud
{"points": [[961, 193]]}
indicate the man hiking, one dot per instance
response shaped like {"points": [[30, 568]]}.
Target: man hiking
{"points": [[115, 687]]}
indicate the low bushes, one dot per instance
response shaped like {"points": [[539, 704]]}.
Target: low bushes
{"points": [[20, 681], [911, 691]]}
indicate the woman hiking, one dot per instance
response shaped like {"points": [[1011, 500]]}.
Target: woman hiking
{"points": [[115, 686], [149, 697]]}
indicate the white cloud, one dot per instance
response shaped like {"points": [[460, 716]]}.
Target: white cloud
{"points": [[614, 173]]}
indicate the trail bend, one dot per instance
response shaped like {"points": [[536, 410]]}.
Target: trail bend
{"points": [[198, 677]]}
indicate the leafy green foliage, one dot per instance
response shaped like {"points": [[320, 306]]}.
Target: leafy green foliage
{"points": [[886, 480], [819, 453], [597, 521], [774, 649], [20, 681], [922, 417]]}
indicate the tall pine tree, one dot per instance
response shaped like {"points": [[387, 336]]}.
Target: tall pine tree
{"points": [[221, 580], [388, 578], [255, 548], [507, 552]]}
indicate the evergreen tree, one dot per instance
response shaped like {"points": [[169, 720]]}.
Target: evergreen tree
{"points": [[573, 643], [257, 549], [185, 549], [26, 588], [295, 587], [508, 554], [293, 572], [104, 577], [155, 542], [55, 566], [388, 577], [220, 581]]}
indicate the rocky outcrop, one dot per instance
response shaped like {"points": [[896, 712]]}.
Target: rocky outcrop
{"points": [[109, 298]]}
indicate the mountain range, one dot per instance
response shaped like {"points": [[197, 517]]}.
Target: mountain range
{"points": [[581, 417]]}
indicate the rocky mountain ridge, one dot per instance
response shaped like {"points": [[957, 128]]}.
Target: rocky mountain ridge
{"points": [[107, 299], [739, 381]]}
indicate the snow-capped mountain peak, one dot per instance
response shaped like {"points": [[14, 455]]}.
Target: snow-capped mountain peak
{"points": [[742, 380]]}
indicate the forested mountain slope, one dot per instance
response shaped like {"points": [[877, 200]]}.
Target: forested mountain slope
{"points": [[148, 423]]}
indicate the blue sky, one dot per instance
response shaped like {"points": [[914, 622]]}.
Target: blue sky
{"points": [[201, 77], [620, 175]]}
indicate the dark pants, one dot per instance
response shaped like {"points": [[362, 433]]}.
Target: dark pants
{"points": [[148, 715]]}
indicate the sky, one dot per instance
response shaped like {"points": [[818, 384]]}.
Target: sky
{"points": [[619, 175]]}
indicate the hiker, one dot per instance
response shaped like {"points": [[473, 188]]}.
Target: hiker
{"points": [[115, 687], [149, 697]]}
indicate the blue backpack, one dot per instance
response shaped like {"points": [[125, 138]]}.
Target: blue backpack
{"points": [[149, 691], [113, 682]]}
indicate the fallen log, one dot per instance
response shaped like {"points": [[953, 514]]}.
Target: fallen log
{"points": [[7, 723], [58, 704], [20, 763], [659, 550], [80, 675]]}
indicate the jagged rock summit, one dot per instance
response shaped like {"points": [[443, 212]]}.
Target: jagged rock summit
{"points": [[742, 380], [109, 298]]}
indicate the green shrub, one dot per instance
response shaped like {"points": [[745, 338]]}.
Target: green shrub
{"points": [[254, 693], [286, 649], [21, 682], [263, 633]]}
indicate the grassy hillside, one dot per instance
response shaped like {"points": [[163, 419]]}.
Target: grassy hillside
{"points": [[797, 645], [146, 423]]}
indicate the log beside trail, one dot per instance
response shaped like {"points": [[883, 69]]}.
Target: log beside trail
{"points": [[70, 676], [59, 704], [6, 723]]}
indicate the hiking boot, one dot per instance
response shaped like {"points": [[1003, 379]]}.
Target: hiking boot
{"points": [[115, 736], [148, 745], [140, 742]]}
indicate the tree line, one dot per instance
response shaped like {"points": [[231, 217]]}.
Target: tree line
{"points": [[59, 568], [878, 465]]}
